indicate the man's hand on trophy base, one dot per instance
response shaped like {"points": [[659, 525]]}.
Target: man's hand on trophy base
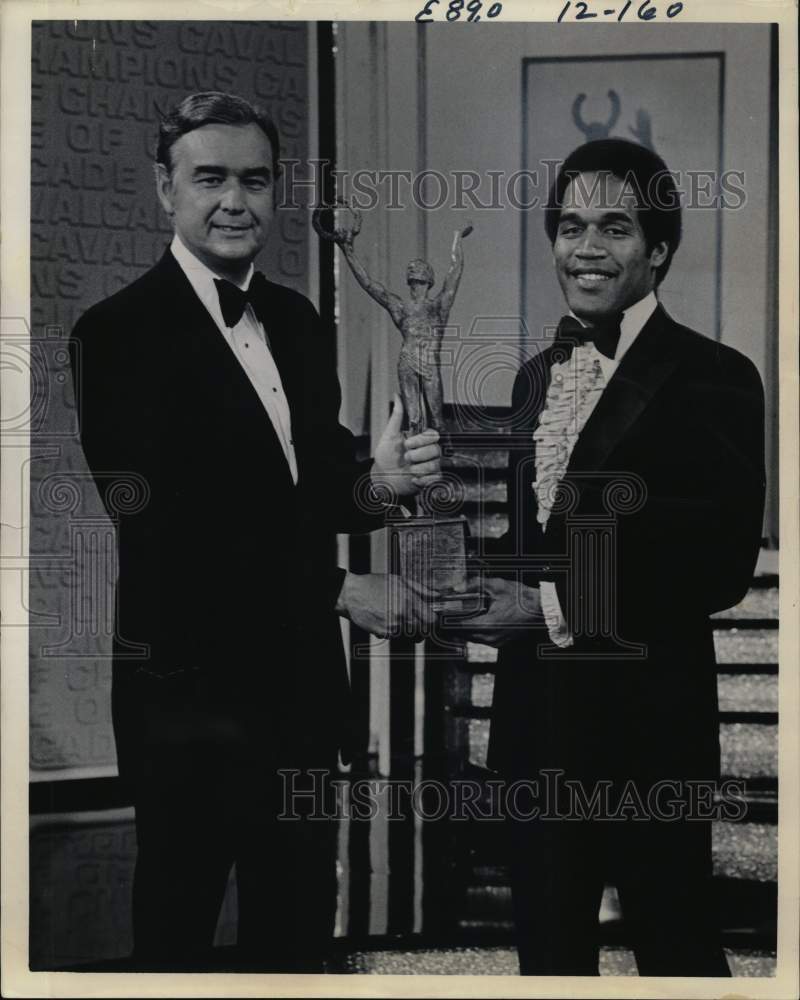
{"points": [[512, 608], [405, 465], [386, 605]]}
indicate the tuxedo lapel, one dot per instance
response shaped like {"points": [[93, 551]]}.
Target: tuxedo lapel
{"points": [[191, 327], [647, 364], [532, 392], [207, 373]]}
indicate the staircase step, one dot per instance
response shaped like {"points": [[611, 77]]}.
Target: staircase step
{"points": [[745, 906], [738, 646], [481, 494], [482, 689], [745, 880], [478, 653], [483, 658], [478, 457], [478, 730], [460, 419], [471, 472], [740, 851], [746, 851], [736, 693], [488, 525], [737, 653], [758, 603], [747, 693], [473, 711], [748, 750]]}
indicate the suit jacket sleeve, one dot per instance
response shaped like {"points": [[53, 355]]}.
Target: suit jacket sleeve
{"points": [[334, 496], [717, 515], [691, 549], [118, 426], [105, 403], [336, 479]]}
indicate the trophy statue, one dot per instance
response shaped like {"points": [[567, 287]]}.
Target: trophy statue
{"points": [[429, 547]]}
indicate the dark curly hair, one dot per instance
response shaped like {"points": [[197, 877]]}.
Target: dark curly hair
{"points": [[658, 207]]}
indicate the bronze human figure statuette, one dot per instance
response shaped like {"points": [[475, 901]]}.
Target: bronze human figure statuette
{"points": [[421, 319], [429, 548]]}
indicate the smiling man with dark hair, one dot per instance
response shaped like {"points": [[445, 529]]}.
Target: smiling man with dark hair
{"points": [[634, 514], [647, 184]]}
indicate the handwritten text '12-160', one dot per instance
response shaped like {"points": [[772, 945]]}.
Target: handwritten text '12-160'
{"points": [[644, 12]]}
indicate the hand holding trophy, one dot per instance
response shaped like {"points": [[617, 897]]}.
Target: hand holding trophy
{"points": [[428, 549]]}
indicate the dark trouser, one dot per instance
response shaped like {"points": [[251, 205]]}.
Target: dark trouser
{"points": [[189, 836], [662, 871]]}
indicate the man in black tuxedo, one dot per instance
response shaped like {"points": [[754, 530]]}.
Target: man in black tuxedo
{"points": [[635, 498], [214, 392]]}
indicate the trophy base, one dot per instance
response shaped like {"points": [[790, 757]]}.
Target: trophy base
{"points": [[470, 602], [432, 553]]}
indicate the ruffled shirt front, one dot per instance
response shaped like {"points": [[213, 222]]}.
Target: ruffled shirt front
{"points": [[576, 386]]}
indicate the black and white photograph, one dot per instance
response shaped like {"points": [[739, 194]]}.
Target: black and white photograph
{"points": [[399, 497]]}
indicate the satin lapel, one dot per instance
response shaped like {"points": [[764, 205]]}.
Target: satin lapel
{"points": [[188, 315], [206, 348], [647, 364], [529, 409]]}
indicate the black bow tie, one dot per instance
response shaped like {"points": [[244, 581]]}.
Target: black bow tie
{"points": [[605, 336], [232, 300]]}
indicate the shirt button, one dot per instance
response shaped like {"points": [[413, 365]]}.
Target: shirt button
{"points": [[274, 389], [246, 344]]}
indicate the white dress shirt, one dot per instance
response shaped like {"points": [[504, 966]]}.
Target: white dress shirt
{"points": [[633, 319], [248, 341]]}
